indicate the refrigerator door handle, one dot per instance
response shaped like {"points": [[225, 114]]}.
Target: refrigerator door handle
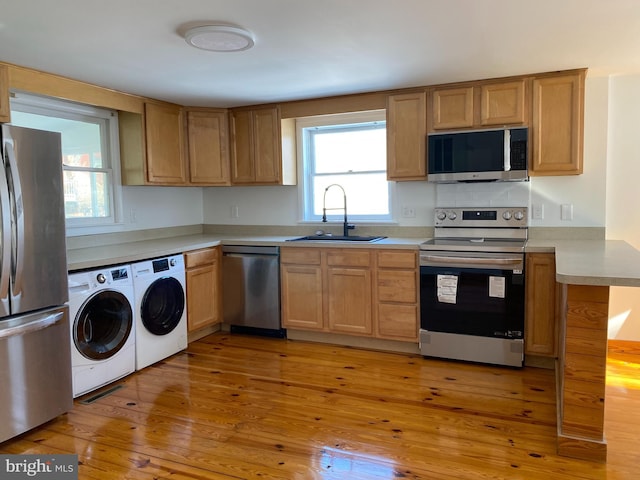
{"points": [[40, 324], [5, 246], [15, 191]]}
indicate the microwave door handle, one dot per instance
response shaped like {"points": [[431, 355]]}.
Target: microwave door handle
{"points": [[507, 150]]}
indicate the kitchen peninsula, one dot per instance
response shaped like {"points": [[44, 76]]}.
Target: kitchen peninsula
{"points": [[586, 269]]}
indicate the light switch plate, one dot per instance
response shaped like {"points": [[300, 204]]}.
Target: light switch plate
{"points": [[566, 211], [537, 211]]}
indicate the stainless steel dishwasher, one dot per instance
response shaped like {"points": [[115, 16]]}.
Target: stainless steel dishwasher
{"points": [[251, 289]]}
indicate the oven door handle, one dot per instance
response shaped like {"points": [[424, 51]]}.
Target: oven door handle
{"points": [[436, 260]]}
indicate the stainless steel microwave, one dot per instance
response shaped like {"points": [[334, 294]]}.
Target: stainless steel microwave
{"points": [[478, 155]]}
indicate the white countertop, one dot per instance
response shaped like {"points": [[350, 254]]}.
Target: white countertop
{"points": [[120, 253], [592, 262], [580, 262]]}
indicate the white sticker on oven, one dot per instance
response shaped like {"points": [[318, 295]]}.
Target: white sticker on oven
{"points": [[447, 288], [496, 287]]}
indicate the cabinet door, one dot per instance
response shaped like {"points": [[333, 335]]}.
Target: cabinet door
{"points": [[540, 322], [208, 139], [242, 166], [5, 108], [502, 103], [349, 300], [164, 143], [406, 136], [558, 125], [301, 290], [202, 293], [267, 149], [452, 108]]}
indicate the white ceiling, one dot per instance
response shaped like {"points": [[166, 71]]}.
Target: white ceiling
{"points": [[314, 48]]}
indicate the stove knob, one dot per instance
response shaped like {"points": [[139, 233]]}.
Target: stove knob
{"points": [[518, 215], [441, 215], [452, 215], [101, 278], [506, 215]]}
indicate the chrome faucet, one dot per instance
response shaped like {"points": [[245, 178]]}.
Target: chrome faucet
{"points": [[346, 226]]}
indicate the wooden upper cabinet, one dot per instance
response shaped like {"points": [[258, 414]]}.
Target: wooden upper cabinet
{"points": [[452, 108], [256, 154], [164, 144], [503, 103], [558, 124], [406, 136], [5, 108], [208, 146]]}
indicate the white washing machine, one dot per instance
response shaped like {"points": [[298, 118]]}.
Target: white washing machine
{"points": [[102, 327], [161, 312]]}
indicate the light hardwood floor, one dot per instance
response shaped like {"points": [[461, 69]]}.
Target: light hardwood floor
{"points": [[235, 406]]}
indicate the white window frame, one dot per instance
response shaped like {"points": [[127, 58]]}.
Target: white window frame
{"points": [[110, 148], [306, 175]]}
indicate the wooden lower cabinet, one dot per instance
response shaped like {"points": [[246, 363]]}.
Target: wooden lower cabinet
{"points": [[541, 326], [350, 291], [397, 277], [204, 300]]}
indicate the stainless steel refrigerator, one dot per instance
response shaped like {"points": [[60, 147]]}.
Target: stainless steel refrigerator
{"points": [[35, 355]]}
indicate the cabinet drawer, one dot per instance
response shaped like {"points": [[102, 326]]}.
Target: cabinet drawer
{"points": [[397, 286], [398, 322], [303, 256], [397, 259], [196, 258], [348, 258]]}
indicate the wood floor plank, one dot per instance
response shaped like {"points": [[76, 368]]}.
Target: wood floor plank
{"points": [[234, 406]]}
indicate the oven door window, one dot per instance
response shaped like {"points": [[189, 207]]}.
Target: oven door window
{"points": [[470, 301]]}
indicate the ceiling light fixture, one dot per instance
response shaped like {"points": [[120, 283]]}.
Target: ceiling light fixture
{"points": [[219, 38]]}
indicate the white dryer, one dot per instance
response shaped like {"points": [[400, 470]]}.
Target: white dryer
{"points": [[102, 327], [161, 312]]}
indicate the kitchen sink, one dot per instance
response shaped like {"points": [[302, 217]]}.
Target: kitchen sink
{"points": [[337, 238]]}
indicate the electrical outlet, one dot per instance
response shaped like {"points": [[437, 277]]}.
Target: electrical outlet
{"points": [[538, 211], [235, 211], [408, 212]]}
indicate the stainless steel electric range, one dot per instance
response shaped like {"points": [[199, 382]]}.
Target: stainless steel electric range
{"points": [[472, 286]]}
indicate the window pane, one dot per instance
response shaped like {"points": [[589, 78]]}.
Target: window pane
{"points": [[81, 146], [86, 194], [367, 194], [349, 150]]}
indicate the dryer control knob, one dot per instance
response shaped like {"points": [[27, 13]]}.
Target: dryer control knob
{"points": [[101, 278], [172, 262]]}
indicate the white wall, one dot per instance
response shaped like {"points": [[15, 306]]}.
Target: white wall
{"points": [[622, 199], [154, 207], [279, 205]]}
